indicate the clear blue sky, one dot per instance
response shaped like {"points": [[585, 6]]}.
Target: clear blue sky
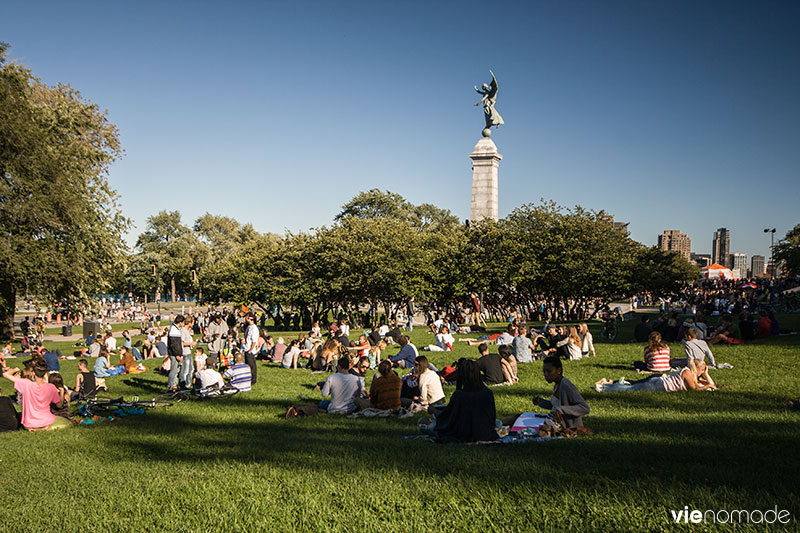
{"points": [[668, 115]]}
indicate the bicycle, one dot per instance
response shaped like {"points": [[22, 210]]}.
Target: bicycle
{"points": [[101, 404], [198, 394], [610, 328]]}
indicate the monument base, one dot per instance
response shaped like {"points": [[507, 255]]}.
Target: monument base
{"points": [[485, 164]]}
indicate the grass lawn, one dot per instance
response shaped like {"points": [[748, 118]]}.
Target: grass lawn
{"points": [[236, 465]]}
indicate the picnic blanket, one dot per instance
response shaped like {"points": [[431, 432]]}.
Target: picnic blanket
{"points": [[371, 412]]}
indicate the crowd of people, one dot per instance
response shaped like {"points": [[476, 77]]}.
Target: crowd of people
{"points": [[224, 347]]}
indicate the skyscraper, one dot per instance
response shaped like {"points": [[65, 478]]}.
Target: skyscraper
{"points": [[757, 266], [739, 264], [673, 240], [721, 247]]}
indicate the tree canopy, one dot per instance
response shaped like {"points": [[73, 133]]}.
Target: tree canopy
{"points": [[60, 223], [787, 251]]}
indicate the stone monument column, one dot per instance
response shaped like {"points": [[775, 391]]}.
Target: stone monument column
{"points": [[485, 162]]}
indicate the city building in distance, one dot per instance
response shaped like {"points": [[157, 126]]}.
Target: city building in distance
{"points": [[757, 266], [673, 240], [739, 264], [702, 260], [721, 247]]}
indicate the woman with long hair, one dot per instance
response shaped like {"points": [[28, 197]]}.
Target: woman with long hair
{"points": [[656, 355], [574, 344], [587, 342]]}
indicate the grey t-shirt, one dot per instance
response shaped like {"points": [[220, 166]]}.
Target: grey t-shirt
{"points": [[698, 349], [522, 349]]}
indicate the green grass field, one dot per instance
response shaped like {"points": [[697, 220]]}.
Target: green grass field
{"points": [[237, 465]]}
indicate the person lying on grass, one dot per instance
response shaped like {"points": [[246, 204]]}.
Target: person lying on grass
{"points": [[566, 403], [37, 395], [470, 415], [343, 388], [689, 378]]}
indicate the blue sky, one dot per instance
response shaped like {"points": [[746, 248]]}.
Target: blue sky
{"points": [[669, 115]]}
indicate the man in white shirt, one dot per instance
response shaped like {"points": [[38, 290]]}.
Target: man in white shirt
{"points": [[251, 346], [343, 388], [208, 377], [111, 343]]}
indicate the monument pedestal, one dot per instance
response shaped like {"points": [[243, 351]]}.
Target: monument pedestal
{"points": [[485, 162]]}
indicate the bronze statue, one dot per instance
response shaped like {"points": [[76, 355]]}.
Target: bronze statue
{"points": [[489, 93]]}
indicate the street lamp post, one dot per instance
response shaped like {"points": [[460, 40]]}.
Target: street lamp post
{"points": [[771, 249]]}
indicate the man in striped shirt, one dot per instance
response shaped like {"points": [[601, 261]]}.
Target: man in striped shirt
{"points": [[239, 373]]}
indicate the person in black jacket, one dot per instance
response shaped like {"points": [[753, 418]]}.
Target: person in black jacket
{"points": [[470, 415]]}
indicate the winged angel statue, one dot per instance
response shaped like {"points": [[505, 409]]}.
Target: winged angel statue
{"points": [[489, 93]]}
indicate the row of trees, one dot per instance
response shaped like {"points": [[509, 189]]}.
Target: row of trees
{"points": [[381, 249]]}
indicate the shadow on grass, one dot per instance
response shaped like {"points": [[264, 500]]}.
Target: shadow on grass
{"points": [[625, 450]]}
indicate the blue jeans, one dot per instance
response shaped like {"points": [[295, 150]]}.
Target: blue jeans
{"points": [[172, 378], [650, 384], [187, 371]]}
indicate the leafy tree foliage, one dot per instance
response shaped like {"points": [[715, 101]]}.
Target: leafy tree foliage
{"points": [[173, 248], [60, 224], [788, 251]]}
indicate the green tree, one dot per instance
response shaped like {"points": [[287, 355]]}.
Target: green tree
{"points": [[174, 250], [661, 272], [787, 251], [60, 225]]}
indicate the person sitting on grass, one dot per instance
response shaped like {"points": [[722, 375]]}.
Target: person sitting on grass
{"points": [[490, 366], [128, 363], [343, 388], [360, 368], [689, 378], [291, 354], [587, 341], [656, 355], [508, 363], [470, 415], [85, 384], [696, 350], [37, 395], [361, 347], [430, 385], [374, 354], [61, 408], [102, 368], [209, 377], [239, 373], [565, 398], [726, 331], [384, 393], [575, 344], [407, 355], [9, 417]]}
